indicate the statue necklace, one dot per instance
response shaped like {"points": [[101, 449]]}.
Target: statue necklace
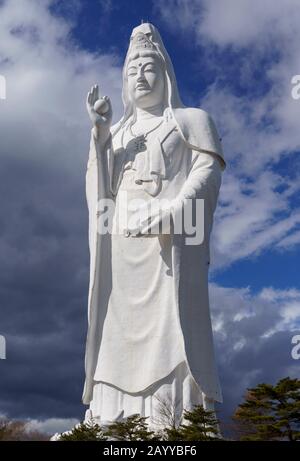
{"points": [[140, 140]]}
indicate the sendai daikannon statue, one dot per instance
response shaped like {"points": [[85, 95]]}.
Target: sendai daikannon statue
{"points": [[149, 329]]}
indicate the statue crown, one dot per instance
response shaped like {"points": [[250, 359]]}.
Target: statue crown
{"points": [[141, 42]]}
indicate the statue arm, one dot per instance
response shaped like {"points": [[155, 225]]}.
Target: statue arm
{"points": [[99, 162], [98, 169], [203, 182]]}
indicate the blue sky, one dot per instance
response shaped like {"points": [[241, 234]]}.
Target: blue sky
{"points": [[234, 59]]}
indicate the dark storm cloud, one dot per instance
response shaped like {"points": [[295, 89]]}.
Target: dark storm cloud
{"points": [[43, 289], [253, 340], [44, 139]]}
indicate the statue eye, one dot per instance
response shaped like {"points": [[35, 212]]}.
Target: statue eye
{"points": [[132, 71], [149, 68]]}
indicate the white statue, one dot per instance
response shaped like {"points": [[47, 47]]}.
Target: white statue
{"points": [[149, 334]]}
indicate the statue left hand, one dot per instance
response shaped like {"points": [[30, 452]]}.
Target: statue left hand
{"points": [[151, 220]]}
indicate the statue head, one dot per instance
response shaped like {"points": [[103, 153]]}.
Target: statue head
{"points": [[148, 75], [145, 79]]}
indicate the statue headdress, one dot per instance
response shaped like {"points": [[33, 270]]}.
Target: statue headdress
{"points": [[146, 37], [140, 41]]}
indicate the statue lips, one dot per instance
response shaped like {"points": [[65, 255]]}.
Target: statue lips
{"points": [[142, 87]]}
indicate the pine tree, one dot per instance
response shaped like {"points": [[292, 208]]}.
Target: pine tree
{"points": [[201, 425], [86, 432], [132, 428], [271, 412]]}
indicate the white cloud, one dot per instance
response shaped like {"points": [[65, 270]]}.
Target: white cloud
{"points": [[289, 306], [48, 426], [246, 22], [290, 241], [252, 216], [228, 22], [44, 126], [51, 426], [242, 318], [48, 76], [253, 334]]}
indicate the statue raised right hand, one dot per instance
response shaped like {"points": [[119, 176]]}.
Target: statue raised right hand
{"points": [[101, 120]]}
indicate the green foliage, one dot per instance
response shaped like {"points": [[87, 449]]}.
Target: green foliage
{"points": [[271, 412], [201, 425], [86, 432], [268, 413], [132, 428]]}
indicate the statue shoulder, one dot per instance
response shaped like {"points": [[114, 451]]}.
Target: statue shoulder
{"points": [[199, 130], [191, 118]]}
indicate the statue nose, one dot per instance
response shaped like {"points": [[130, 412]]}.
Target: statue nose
{"points": [[140, 76]]}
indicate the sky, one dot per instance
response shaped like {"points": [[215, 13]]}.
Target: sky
{"points": [[234, 59]]}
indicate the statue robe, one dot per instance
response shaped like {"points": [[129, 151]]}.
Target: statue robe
{"points": [[186, 162]]}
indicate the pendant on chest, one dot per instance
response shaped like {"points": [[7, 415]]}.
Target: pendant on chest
{"points": [[139, 144]]}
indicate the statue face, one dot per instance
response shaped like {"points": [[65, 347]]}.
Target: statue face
{"points": [[146, 81]]}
